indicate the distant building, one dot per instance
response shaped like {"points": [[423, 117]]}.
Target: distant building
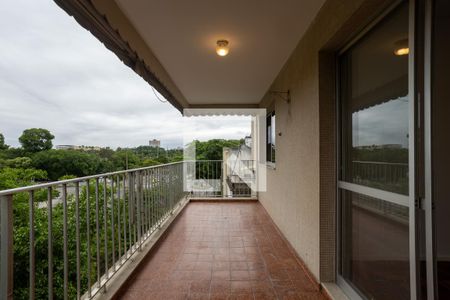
{"points": [[378, 147], [248, 141], [75, 147], [89, 148], [66, 147], [154, 143]]}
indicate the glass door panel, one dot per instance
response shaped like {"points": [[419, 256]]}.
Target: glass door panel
{"points": [[374, 160], [440, 144]]}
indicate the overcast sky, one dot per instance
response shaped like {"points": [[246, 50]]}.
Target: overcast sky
{"points": [[56, 75], [382, 124]]}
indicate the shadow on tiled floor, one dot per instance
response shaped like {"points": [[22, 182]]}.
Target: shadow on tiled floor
{"points": [[222, 250]]}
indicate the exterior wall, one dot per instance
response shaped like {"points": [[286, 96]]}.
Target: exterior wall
{"points": [[300, 194]]}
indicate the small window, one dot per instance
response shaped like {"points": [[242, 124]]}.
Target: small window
{"points": [[270, 121]]}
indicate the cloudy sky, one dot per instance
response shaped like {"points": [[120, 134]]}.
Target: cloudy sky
{"points": [[382, 124], [56, 75]]}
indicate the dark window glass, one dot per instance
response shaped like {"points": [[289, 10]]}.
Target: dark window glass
{"points": [[270, 151], [375, 108], [374, 114], [440, 143], [375, 246]]}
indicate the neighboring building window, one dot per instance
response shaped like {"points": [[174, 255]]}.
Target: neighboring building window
{"points": [[270, 121]]}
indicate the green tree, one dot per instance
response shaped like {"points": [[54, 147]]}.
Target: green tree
{"points": [[58, 163], [36, 139], [19, 162], [13, 177], [122, 158], [213, 149], [3, 146], [150, 162]]}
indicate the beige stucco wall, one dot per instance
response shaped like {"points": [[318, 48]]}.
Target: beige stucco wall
{"points": [[294, 188]]}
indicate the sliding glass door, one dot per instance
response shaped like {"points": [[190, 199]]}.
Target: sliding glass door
{"points": [[374, 154], [437, 159]]}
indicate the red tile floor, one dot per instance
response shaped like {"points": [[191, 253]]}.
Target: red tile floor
{"points": [[221, 250]]}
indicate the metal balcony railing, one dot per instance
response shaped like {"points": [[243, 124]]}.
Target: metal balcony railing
{"points": [[385, 175], [223, 179], [67, 239]]}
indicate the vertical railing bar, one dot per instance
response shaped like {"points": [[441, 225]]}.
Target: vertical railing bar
{"points": [[174, 186], [152, 212], [88, 237], [97, 232], [164, 192], [143, 213], [155, 198], [32, 266], [124, 217], [208, 180], [77, 238], [150, 199], [66, 260], [105, 229], [6, 247], [148, 202], [119, 233], [215, 175], [163, 200], [144, 205], [50, 241], [134, 205], [131, 211], [170, 190], [135, 210], [113, 227], [138, 204], [158, 212], [130, 244]]}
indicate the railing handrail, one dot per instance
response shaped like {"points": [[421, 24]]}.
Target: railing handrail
{"points": [[84, 178], [379, 163], [78, 179]]}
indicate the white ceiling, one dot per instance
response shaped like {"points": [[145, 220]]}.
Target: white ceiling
{"points": [[183, 34]]}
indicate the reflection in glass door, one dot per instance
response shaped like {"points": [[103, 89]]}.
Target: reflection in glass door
{"points": [[374, 161]]}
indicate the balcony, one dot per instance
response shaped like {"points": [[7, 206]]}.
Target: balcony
{"points": [[222, 250], [138, 234]]}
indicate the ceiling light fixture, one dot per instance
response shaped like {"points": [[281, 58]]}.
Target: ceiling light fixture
{"points": [[401, 48], [222, 48], [401, 51]]}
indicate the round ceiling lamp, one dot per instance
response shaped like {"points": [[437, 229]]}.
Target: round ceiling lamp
{"points": [[401, 47], [222, 48]]}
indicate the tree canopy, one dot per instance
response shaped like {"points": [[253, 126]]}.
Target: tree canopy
{"points": [[36, 139], [3, 146], [213, 149], [58, 163]]}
